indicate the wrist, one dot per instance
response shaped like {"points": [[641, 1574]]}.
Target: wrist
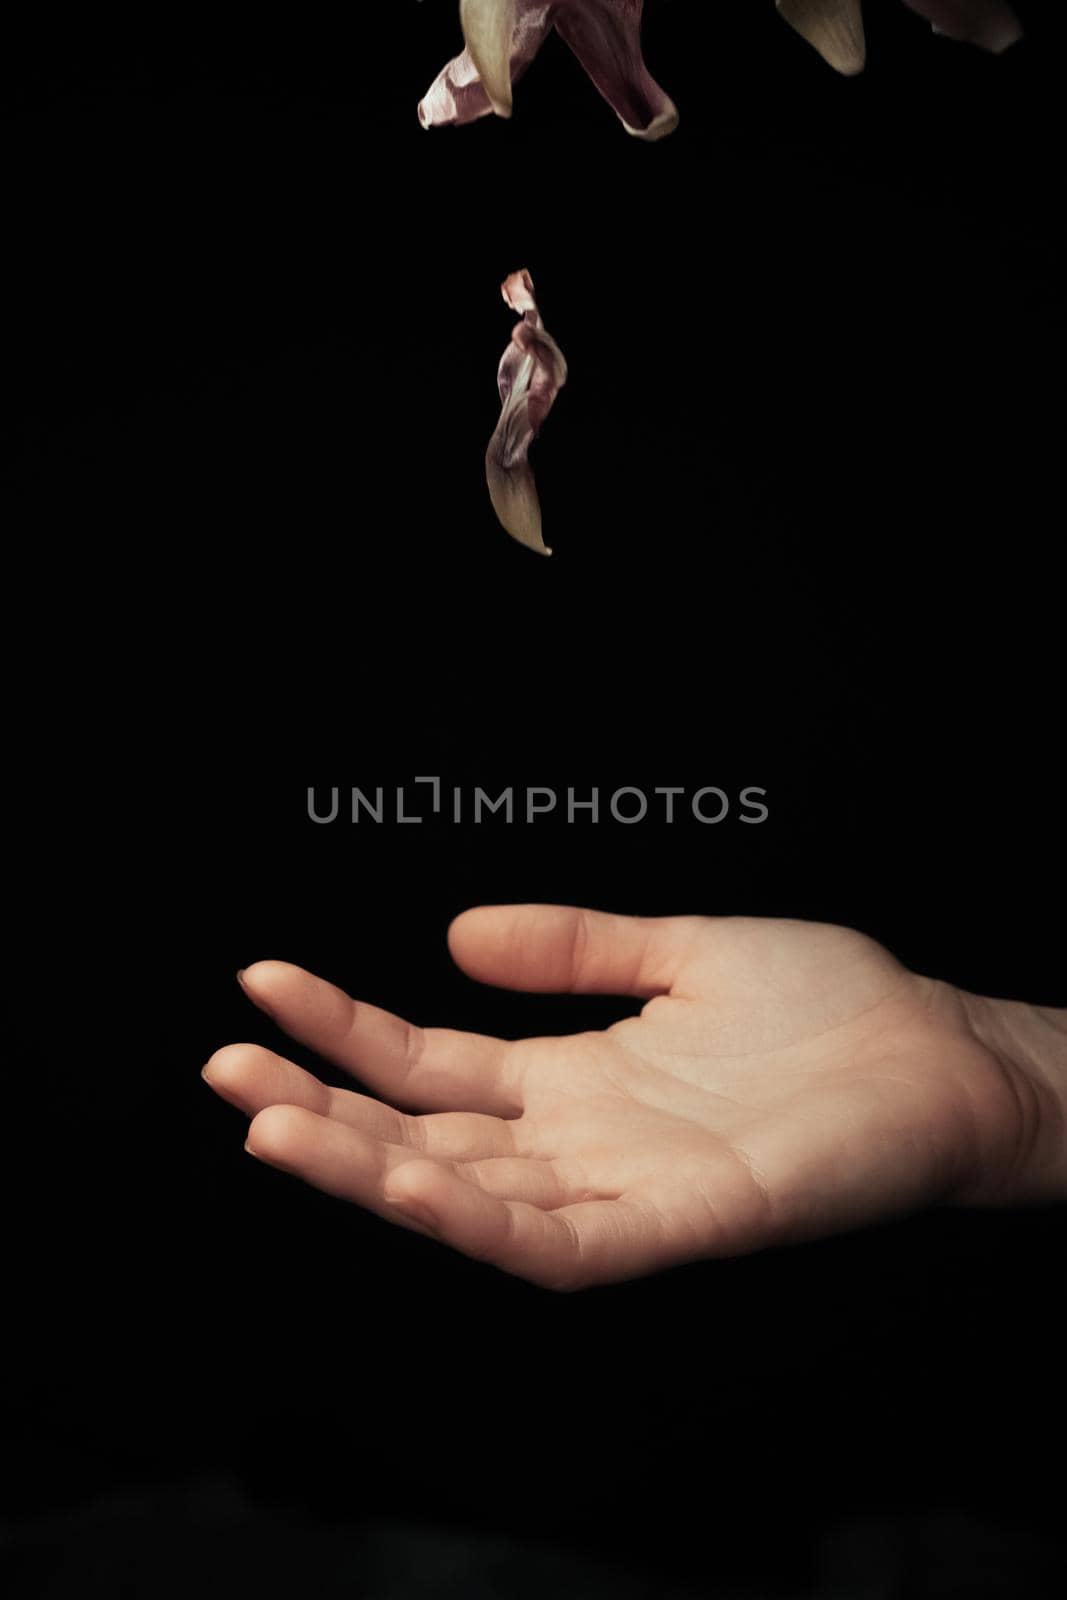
{"points": [[1029, 1044]]}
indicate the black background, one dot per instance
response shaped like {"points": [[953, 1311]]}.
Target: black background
{"points": [[803, 492]]}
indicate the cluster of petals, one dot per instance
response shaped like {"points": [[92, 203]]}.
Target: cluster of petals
{"points": [[502, 38]]}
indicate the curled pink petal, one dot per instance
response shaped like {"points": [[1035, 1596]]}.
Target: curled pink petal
{"points": [[457, 95], [532, 371], [605, 35], [518, 291], [988, 23], [489, 34]]}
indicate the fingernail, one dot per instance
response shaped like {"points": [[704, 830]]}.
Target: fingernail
{"points": [[251, 1152], [257, 1000]]}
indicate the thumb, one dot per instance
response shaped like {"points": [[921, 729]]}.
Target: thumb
{"points": [[565, 949]]}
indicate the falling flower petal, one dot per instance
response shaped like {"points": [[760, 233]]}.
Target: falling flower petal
{"points": [[455, 96], [605, 35], [488, 28], [834, 27], [532, 371], [988, 23], [458, 95], [503, 37]]}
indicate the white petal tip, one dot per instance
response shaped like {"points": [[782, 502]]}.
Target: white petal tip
{"points": [[658, 128]]}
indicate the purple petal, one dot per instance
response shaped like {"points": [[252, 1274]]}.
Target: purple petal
{"points": [[532, 371], [605, 35]]}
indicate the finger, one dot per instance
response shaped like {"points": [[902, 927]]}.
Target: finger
{"points": [[565, 949], [330, 1155], [593, 1241], [432, 1069], [344, 1161], [252, 1078]]}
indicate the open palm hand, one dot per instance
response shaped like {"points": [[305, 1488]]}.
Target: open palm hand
{"points": [[785, 1080]]}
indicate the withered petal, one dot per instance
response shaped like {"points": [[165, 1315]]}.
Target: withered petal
{"points": [[988, 23], [488, 30], [605, 35], [504, 36], [532, 371], [834, 27], [458, 95]]}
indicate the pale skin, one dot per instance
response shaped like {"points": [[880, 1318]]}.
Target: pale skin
{"points": [[784, 1081]]}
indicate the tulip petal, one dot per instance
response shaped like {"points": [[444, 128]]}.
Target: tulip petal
{"points": [[988, 23], [605, 35], [488, 29], [834, 27], [531, 373], [455, 96], [461, 92], [502, 38]]}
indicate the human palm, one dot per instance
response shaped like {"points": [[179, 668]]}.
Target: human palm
{"points": [[784, 1080]]}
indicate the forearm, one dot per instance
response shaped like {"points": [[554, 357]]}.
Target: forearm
{"points": [[1030, 1043]]}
